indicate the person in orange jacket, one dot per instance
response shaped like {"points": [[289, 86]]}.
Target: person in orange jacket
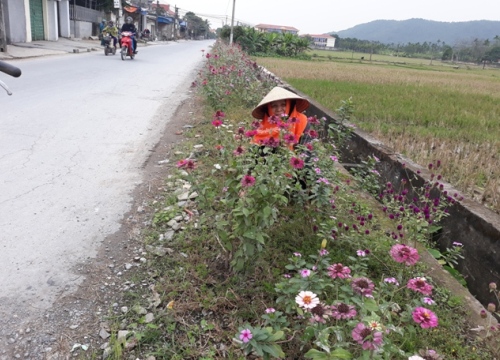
{"points": [[281, 110]]}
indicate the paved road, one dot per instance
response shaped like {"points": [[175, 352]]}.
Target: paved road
{"points": [[73, 138]]}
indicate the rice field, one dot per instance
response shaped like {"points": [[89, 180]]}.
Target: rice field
{"points": [[425, 112]]}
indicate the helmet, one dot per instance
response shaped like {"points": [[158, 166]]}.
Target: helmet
{"points": [[110, 23], [128, 20]]}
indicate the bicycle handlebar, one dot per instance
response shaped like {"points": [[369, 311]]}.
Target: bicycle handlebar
{"points": [[10, 69]]}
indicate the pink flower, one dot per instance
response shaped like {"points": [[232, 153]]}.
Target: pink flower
{"points": [[305, 273], [362, 253], [255, 124], [297, 254], [391, 280], [290, 139], [247, 181], [245, 335], [362, 286], [181, 163], [339, 271], [368, 338], [424, 317], [297, 163], [343, 311], [334, 158], [404, 254], [186, 163], [323, 252], [270, 310], [428, 301], [420, 285], [250, 133], [217, 123], [323, 180]]}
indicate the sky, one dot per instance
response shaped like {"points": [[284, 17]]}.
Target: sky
{"points": [[322, 16]]}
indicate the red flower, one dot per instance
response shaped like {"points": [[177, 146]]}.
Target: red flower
{"points": [[313, 120], [247, 181], [219, 114], [313, 133], [297, 163], [239, 150]]}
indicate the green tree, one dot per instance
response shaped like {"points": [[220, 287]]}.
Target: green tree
{"points": [[447, 53]]}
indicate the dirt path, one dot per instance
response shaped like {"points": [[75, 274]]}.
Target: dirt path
{"points": [[78, 318]]}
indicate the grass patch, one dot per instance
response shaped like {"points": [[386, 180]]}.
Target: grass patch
{"points": [[444, 114]]}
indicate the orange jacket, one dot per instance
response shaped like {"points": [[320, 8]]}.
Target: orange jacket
{"points": [[268, 130]]}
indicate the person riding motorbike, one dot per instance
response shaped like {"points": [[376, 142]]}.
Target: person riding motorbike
{"points": [[112, 30], [129, 26]]}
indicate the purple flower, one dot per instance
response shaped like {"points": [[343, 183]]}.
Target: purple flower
{"points": [[343, 311], [362, 286], [367, 337]]}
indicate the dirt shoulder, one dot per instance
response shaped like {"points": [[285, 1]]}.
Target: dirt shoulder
{"points": [[74, 326]]}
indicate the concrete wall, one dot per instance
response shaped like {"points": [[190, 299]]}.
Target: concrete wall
{"points": [[51, 25], [469, 222], [80, 29], [15, 21], [64, 22]]}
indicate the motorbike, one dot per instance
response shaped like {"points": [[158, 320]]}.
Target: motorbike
{"points": [[127, 48], [108, 47], [10, 70]]}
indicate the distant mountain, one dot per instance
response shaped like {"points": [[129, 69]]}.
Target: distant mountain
{"points": [[420, 30]]}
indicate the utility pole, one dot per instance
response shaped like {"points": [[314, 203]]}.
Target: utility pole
{"points": [[175, 21], [3, 35], [157, 14], [232, 25]]}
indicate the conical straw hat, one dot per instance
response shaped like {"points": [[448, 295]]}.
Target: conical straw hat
{"points": [[278, 93]]}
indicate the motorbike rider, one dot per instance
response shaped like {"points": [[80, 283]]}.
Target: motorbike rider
{"points": [[129, 26], [112, 30]]}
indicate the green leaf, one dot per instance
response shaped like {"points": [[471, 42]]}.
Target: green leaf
{"points": [[371, 305], [276, 336], [341, 354], [435, 253], [273, 350], [249, 249], [316, 355]]}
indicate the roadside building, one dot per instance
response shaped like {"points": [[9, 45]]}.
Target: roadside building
{"points": [[276, 29], [323, 41]]}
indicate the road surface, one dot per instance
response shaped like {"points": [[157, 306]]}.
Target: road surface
{"points": [[73, 138]]}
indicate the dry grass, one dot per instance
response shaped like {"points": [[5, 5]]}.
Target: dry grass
{"points": [[424, 112]]}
